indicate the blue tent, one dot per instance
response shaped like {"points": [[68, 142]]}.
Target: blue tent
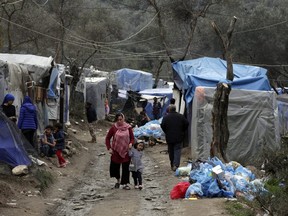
{"points": [[166, 93], [12, 149], [209, 71], [133, 80]]}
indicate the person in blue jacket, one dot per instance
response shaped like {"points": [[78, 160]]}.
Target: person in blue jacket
{"points": [[27, 121]]}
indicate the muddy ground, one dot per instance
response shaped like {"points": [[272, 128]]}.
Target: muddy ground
{"points": [[85, 188]]}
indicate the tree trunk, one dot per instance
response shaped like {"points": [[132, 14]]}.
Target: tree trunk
{"points": [[221, 99]]}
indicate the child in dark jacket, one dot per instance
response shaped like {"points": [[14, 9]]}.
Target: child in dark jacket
{"points": [[60, 144], [136, 166], [47, 142]]}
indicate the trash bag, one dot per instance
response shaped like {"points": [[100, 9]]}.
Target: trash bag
{"points": [[195, 188], [183, 171], [179, 190], [244, 172]]}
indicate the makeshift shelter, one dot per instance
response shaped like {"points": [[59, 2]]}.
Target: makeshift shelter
{"points": [[209, 71], [133, 80], [12, 151], [163, 94], [41, 79], [252, 122], [96, 94], [252, 111]]}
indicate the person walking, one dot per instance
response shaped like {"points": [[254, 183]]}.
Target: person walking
{"points": [[123, 136], [92, 120], [174, 125], [8, 108], [27, 121], [156, 109]]}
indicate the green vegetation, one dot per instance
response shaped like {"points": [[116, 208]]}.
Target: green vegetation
{"points": [[44, 178], [239, 209]]}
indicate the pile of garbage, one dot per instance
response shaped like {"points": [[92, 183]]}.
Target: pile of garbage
{"points": [[212, 178], [150, 129]]}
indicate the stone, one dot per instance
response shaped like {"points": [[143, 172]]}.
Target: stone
{"points": [[20, 170]]}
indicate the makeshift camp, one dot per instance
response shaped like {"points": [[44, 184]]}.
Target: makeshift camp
{"points": [[96, 94], [252, 111], [133, 80]]}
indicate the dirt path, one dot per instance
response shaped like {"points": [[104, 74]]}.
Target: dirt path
{"points": [[85, 188]]}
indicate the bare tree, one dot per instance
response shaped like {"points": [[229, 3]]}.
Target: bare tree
{"points": [[221, 98], [188, 12]]}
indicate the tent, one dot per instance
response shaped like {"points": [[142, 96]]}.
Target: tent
{"points": [[252, 111], [133, 80], [252, 121], [164, 95], [12, 151], [96, 93], [40, 78], [209, 71]]}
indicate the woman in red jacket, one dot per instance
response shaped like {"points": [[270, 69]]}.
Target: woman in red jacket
{"points": [[122, 135]]}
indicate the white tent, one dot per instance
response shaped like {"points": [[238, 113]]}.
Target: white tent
{"points": [[96, 93], [252, 122]]}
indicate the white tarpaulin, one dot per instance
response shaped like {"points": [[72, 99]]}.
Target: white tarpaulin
{"points": [[39, 65], [252, 123], [96, 93]]}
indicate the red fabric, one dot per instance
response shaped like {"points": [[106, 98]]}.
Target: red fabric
{"points": [[179, 190], [61, 159], [121, 139], [115, 157]]}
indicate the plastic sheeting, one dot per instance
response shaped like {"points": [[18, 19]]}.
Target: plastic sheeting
{"points": [[165, 93], [209, 71], [252, 123], [38, 64], [12, 149], [133, 80], [96, 89]]}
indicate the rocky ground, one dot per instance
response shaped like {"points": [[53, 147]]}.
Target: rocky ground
{"points": [[85, 188]]}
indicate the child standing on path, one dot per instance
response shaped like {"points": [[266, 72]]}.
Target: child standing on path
{"points": [[60, 144], [136, 166]]}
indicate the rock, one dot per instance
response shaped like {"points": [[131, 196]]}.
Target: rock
{"points": [[67, 152], [20, 170]]}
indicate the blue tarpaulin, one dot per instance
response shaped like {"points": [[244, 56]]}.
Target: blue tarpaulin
{"points": [[12, 151], [209, 71], [165, 93], [134, 80]]}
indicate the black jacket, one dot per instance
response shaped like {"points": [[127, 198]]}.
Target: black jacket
{"points": [[91, 114], [174, 126]]}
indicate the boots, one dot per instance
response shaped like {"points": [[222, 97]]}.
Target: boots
{"points": [[92, 141]]}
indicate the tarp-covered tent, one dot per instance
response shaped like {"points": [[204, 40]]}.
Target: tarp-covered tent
{"points": [[39, 66], [252, 121], [12, 149], [282, 102], [96, 93], [133, 80], [209, 71], [40, 78], [164, 95]]}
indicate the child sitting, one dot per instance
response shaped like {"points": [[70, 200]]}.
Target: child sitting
{"points": [[47, 142], [60, 143], [136, 166]]}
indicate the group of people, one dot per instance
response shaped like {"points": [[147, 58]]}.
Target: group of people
{"points": [[52, 140], [126, 152]]}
